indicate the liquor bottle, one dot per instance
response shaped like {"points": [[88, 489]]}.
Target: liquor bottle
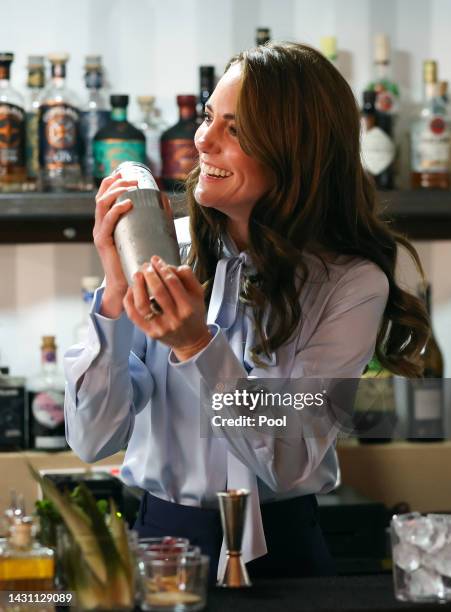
{"points": [[262, 36], [59, 132], [152, 126], [12, 130], [95, 114], [46, 402], [426, 409], [387, 91], [35, 84], [13, 417], [25, 565], [207, 85], [377, 146], [375, 415], [88, 286], [179, 155], [431, 137], [328, 46], [117, 141]]}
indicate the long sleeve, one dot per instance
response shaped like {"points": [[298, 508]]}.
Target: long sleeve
{"points": [[107, 385], [339, 346]]}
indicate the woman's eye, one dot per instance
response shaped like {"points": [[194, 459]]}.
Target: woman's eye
{"points": [[233, 130], [207, 118]]}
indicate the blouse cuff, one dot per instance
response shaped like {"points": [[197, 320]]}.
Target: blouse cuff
{"points": [[115, 335]]}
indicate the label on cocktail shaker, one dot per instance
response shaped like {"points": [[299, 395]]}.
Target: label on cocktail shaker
{"points": [[59, 136], [111, 152]]}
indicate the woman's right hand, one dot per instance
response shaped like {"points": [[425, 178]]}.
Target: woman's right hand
{"points": [[107, 214]]}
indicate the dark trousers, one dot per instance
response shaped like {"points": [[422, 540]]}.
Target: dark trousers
{"points": [[294, 539]]}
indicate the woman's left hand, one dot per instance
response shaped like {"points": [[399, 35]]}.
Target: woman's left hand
{"points": [[181, 324]]}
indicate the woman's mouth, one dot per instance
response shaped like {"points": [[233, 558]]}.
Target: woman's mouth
{"points": [[214, 173]]}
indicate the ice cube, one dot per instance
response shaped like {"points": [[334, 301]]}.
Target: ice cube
{"points": [[402, 522], [442, 561], [425, 583], [406, 556], [419, 532]]}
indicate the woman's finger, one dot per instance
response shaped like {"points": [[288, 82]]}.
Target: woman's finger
{"points": [[141, 294], [151, 327], [106, 182], [160, 289], [189, 280], [112, 216], [177, 291]]}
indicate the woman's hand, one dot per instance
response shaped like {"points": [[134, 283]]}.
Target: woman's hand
{"points": [[181, 324], [107, 214]]}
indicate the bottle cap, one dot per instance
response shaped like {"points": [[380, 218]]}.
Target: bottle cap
{"points": [[21, 531], [430, 71], [48, 342], [93, 62], [6, 56], [381, 49], [187, 100], [262, 36], [119, 100], [58, 58], [146, 101], [90, 283], [35, 61], [328, 46]]}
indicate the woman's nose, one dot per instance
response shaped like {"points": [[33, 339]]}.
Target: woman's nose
{"points": [[206, 140]]}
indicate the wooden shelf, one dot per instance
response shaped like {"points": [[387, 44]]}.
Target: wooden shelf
{"points": [[69, 217]]}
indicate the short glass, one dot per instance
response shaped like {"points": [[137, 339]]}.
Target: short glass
{"points": [[177, 583], [421, 551]]}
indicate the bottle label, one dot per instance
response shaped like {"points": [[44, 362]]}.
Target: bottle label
{"points": [[91, 122], [59, 136], [109, 153], [179, 158], [431, 146], [427, 400], [378, 150], [48, 409], [32, 144], [12, 139]]}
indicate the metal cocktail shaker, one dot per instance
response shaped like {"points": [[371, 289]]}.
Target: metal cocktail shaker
{"points": [[148, 228]]}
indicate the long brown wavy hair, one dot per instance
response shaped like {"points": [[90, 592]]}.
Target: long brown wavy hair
{"points": [[298, 116]]}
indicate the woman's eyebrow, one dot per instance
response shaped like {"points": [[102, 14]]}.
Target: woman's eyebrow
{"points": [[225, 116]]}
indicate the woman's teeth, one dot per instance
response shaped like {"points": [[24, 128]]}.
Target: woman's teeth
{"points": [[212, 171]]}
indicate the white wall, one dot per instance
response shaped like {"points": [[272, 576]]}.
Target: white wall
{"points": [[155, 47]]}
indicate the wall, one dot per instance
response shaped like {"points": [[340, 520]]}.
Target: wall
{"points": [[155, 47]]}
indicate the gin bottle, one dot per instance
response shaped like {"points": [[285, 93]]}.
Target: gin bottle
{"points": [[12, 130], [152, 126], [46, 402], [95, 114], [35, 84], [59, 132]]}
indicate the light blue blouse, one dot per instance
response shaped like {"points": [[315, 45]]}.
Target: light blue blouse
{"points": [[125, 389]]}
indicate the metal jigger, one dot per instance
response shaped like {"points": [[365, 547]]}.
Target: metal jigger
{"points": [[232, 505]]}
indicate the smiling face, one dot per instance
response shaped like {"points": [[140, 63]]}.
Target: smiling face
{"points": [[230, 180]]}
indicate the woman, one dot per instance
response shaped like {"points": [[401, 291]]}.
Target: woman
{"points": [[286, 252]]}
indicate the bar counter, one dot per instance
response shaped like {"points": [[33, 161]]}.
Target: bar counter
{"points": [[327, 594]]}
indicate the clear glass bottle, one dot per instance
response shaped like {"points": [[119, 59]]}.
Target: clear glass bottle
{"points": [[46, 402], [35, 84], [88, 286], [387, 90], [426, 407], [95, 114], [431, 136], [377, 146], [25, 565], [262, 36], [12, 130], [152, 126], [328, 46], [117, 141], [59, 132], [179, 155]]}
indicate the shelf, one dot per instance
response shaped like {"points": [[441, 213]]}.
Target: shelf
{"points": [[68, 217]]}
